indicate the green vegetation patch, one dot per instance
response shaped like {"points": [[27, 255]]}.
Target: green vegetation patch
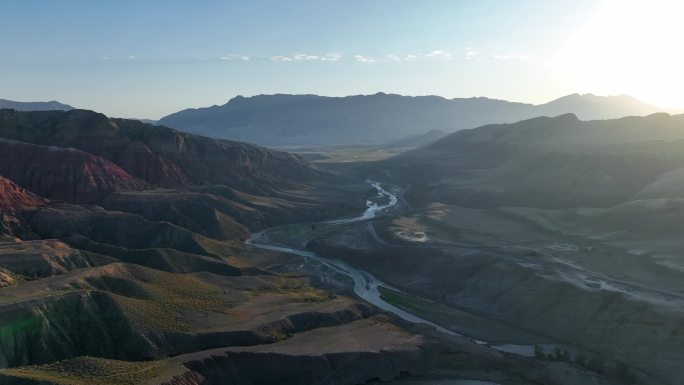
{"points": [[89, 371], [168, 296], [354, 154], [297, 290], [401, 300], [10, 328]]}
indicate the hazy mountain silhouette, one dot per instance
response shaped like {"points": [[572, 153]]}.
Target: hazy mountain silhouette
{"points": [[377, 119], [554, 162], [34, 106]]}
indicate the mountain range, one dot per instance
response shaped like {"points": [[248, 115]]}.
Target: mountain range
{"points": [[277, 120], [34, 106]]}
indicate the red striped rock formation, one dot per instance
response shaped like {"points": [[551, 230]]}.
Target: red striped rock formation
{"points": [[14, 198], [63, 173]]}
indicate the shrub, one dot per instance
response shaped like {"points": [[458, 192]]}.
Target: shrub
{"points": [[596, 364], [624, 374]]}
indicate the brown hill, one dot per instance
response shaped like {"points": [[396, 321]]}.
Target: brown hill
{"points": [[550, 162], [14, 198], [63, 173], [159, 155]]}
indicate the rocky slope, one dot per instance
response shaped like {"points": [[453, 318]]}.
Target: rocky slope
{"points": [[156, 154], [64, 173], [14, 198], [549, 162]]}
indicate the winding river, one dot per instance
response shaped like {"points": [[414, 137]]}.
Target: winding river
{"points": [[365, 284]]}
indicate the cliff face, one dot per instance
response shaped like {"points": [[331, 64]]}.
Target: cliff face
{"points": [[206, 214], [63, 173], [53, 331], [364, 350], [158, 155], [216, 188], [44, 258], [349, 368], [14, 198]]}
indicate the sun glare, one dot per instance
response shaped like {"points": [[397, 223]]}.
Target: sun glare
{"points": [[629, 47]]}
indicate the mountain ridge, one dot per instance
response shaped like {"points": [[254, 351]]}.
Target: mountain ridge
{"points": [[284, 119], [549, 162], [34, 106], [158, 155]]}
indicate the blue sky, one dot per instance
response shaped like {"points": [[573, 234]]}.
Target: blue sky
{"points": [[144, 58]]}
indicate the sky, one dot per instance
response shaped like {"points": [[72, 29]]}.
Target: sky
{"points": [[149, 58]]}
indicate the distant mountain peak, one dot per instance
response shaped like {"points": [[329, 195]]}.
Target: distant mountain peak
{"points": [[52, 105], [590, 97], [570, 116]]}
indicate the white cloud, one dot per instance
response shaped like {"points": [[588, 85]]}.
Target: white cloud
{"points": [[280, 58], [364, 59], [302, 57], [132, 57], [512, 56], [332, 57], [439, 54], [472, 53], [329, 57], [236, 57], [400, 58]]}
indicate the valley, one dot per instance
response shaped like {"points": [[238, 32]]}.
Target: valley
{"points": [[449, 262], [466, 316], [134, 266]]}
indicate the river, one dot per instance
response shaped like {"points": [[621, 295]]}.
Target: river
{"points": [[365, 284]]}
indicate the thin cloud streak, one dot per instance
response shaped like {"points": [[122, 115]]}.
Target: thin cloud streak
{"points": [[364, 59], [471, 54]]}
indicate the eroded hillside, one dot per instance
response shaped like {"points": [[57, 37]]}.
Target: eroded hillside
{"points": [[122, 243]]}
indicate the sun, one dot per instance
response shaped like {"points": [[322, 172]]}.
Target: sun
{"points": [[629, 47]]}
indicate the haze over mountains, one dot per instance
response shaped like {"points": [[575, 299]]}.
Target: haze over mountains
{"points": [[34, 106], [552, 163], [277, 120]]}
